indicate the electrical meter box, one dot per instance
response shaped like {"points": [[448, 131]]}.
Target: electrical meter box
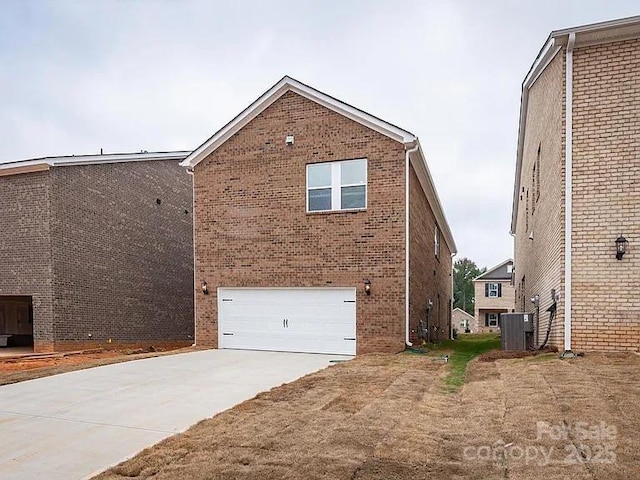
{"points": [[515, 329]]}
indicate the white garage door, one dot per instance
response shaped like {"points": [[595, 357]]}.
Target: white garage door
{"points": [[315, 320]]}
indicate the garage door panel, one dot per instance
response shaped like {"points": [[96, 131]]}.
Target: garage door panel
{"points": [[320, 320], [301, 343], [331, 323], [246, 340], [252, 323]]}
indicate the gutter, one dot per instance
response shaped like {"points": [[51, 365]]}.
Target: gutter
{"points": [[568, 200], [415, 148], [193, 227]]}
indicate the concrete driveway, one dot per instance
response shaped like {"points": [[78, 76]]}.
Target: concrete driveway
{"points": [[74, 425]]}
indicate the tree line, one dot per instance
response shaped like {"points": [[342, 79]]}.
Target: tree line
{"points": [[464, 271]]}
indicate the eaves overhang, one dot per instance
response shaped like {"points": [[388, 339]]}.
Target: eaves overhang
{"points": [[585, 35], [287, 84]]}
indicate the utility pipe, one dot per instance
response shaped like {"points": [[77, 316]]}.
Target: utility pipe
{"points": [[406, 240], [451, 301]]}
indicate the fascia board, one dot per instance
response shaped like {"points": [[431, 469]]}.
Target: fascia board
{"points": [[612, 25], [273, 94], [94, 159]]}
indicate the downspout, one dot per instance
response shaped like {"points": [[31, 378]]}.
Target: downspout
{"points": [[568, 188], [406, 241], [193, 236], [451, 300]]}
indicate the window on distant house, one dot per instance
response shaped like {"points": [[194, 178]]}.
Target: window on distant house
{"points": [[436, 241], [333, 186], [491, 320], [493, 290]]}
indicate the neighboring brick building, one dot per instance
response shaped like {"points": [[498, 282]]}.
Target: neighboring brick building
{"points": [[300, 208], [493, 294], [95, 250], [579, 152], [462, 321]]}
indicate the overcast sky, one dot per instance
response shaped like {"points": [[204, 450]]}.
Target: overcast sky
{"points": [[77, 76]]}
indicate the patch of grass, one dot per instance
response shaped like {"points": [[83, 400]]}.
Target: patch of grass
{"points": [[462, 351]]}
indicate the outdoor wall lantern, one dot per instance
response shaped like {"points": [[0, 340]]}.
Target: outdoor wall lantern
{"points": [[205, 288], [367, 287], [621, 246]]}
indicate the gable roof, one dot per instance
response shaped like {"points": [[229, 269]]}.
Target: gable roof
{"points": [[287, 84], [494, 272], [9, 167], [459, 310], [585, 35]]}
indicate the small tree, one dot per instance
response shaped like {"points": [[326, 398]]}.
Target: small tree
{"points": [[464, 271]]}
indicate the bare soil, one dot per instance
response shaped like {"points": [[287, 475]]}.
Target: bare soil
{"points": [[19, 369], [503, 354], [389, 417]]}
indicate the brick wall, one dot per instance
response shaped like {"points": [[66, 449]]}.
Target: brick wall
{"points": [[25, 251], [123, 263], [606, 196], [252, 229], [458, 316], [539, 263], [430, 276]]}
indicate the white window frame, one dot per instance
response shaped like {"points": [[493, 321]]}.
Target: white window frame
{"points": [[491, 290], [436, 242], [337, 185], [494, 323]]}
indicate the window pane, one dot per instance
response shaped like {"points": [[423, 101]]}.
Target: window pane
{"points": [[320, 199], [353, 171], [319, 175], [353, 197]]}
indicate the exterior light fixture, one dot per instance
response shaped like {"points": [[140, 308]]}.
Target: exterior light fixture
{"points": [[621, 246], [205, 288], [535, 300], [367, 287]]}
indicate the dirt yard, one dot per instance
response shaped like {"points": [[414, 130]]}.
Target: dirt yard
{"points": [[19, 369], [391, 417]]}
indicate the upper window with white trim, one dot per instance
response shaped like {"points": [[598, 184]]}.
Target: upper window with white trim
{"points": [[334, 186], [436, 242], [493, 290]]}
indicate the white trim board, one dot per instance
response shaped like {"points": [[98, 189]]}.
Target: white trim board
{"points": [[70, 160], [285, 85]]}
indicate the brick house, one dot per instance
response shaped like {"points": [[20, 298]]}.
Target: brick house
{"points": [[577, 188], [317, 229], [462, 321], [96, 250], [493, 294]]}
